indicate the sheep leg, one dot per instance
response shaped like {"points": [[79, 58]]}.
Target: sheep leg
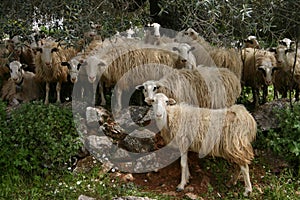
{"points": [[255, 93], [235, 177], [248, 186], [185, 174], [58, 88], [265, 93], [47, 93], [103, 101]]}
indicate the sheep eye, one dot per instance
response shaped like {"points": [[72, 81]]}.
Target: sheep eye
{"points": [[154, 88], [186, 33]]}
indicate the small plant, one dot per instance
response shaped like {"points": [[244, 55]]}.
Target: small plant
{"points": [[41, 137], [286, 140]]}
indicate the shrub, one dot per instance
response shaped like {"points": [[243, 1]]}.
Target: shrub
{"points": [[286, 141], [42, 137]]}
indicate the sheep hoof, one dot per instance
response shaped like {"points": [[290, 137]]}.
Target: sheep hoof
{"points": [[179, 189], [247, 192]]}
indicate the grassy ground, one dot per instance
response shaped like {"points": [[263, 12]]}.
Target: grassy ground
{"points": [[270, 181]]}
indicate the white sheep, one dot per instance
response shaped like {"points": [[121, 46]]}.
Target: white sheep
{"points": [[286, 42], [258, 71], [48, 65], [209, 55], [225, 133], [118, 59], [208, 87], [22, 86]]}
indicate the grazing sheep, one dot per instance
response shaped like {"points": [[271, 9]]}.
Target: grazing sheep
{"points": [[207, 87], [225, 133], [284, 79], [22, 86], [251, 42], [48, 65], [258, 71]]}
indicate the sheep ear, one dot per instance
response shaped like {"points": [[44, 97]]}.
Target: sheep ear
{"points": [[175, 49], [23, 66], [149, 101], [38, 49], [191, 49], [171, 101], [272, 49], [66, 64], [54, 50], [139, 87], [102, 63], [78, 66]]}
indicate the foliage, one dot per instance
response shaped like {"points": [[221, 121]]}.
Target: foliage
{"points": [[286, 141], [41, 137]]}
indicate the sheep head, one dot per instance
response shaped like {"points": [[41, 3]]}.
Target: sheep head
{"points": [[149, 88], [16, 71]]}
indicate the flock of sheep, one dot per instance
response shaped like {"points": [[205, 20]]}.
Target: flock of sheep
{"points": [[203, 81]]}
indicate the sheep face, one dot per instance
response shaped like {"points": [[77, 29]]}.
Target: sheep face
{"points": [[16, 71], [286, 42], [251, 42], [281, 55], [159, 103], [156, 27], [267, 72], [94, 68], [149, 89], [191, 33], [186, 57], [73, 66], [46, 54]]}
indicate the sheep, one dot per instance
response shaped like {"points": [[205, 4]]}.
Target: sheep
{"points": [[286, 42], [154, 37], [227, 58], [119, 59], [258, 71], [284, 79], [251, 42], [208, 55], [225, 133], [207, 87], [22, 86], [21, 52], [48, 66]]}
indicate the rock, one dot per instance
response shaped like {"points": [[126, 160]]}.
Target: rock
{"points": [[128, 178], [85, 164], [139, 141], [83, 197], [132, 198], [265, 115], [191, 196]]}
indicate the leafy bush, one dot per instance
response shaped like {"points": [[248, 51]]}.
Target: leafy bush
{"points": [[286, 140], [41, 137]]}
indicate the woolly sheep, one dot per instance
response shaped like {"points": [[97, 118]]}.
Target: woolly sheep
{"points": [[258, 71], [48, 66], [22, 86], [251, 42], [208, 87], [225, 133], [286, 42], [227, 58], [208, 55], [284, 79], [119, 59]]}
